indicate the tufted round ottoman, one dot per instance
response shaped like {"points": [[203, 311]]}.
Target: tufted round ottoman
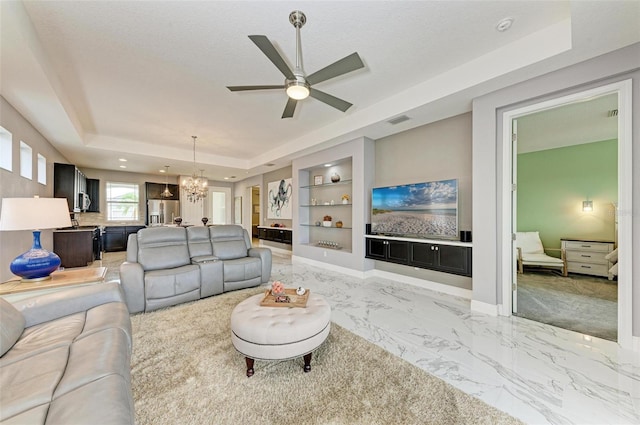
{"points": [[279, 333]]}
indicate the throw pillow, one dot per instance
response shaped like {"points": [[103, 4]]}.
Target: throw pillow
{"points": [[11, 325]]}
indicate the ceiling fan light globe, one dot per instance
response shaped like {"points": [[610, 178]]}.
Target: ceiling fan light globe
{"points": [[297, 91]]}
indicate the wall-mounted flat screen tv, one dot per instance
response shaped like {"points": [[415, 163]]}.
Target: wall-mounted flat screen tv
{"points": [[424, 210]]}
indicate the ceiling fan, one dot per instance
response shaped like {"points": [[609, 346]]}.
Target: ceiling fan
{"points": [[297, 84]]}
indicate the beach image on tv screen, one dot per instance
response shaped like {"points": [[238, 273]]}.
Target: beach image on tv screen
{"points": [[421, 209]]}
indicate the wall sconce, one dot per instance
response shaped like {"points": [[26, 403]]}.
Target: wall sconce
{"points": [[587, 206]]}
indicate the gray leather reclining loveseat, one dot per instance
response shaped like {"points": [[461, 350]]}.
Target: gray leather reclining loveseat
{"points": [[65, 358], [171, 265]]}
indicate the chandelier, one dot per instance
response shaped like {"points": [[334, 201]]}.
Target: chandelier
{"points": [[195, 187]]}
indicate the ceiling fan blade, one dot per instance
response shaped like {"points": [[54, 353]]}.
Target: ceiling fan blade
{"points": [[290, 108], [245, 88], [337, 103], [343, 66], [267, 48]]}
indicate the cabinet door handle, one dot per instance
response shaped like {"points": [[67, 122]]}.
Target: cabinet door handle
{"points": [[586, 256], [586, 267], [437, 248], [586, 246]]}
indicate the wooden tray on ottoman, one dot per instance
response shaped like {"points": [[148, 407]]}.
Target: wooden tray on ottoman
{"points": [[295, 300]]}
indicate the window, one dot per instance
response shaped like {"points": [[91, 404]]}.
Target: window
{"points": [[42, 169], [6, 149], [26, 161], [122, 201]]}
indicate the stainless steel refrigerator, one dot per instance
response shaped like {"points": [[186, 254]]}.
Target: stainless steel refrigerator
{"points": [[160, 211]]}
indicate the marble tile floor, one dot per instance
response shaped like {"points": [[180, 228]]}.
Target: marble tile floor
{"points": [[535, 372]]}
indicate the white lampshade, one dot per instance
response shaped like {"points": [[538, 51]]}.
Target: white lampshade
{"points": [[34, 213]]}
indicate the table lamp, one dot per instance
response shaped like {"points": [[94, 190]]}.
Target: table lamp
{"points": [[34, 214]]}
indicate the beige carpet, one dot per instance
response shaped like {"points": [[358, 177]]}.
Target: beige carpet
{"points": [[580, 303], [186, 371]]}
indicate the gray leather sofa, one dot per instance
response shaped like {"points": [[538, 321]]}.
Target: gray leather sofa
{"points": [[171, 265], [65, 358]]}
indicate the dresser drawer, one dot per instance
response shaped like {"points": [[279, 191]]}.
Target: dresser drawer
{"points": [[591, 257], [588, 246], [592, 269]]}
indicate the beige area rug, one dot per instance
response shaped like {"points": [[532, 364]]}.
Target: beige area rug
{"points": [[185, 370]]}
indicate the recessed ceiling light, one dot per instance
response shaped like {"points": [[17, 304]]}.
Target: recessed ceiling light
{"points": [[162, 171], [123, 166], [504, 24], [328, 165], [226, 178], [122, 160]]}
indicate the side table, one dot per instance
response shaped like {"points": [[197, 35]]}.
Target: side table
{"points": [[15, 289]]}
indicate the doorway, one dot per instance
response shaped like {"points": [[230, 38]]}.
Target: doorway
{"points": [[565, 174], [255, 211], [624, 196]]}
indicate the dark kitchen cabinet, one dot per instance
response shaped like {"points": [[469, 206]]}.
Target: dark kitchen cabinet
{"points": [[93, 190], [155, 191], [74, 247], [115, 237], [69, 182], [443, 257], [392, 251]]}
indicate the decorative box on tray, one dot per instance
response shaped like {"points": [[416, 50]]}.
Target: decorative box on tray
{"points": [[290, 298]]}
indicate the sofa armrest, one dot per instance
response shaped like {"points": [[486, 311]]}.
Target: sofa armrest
{"points": [[265, 256], [132, 281], [51, 306]]}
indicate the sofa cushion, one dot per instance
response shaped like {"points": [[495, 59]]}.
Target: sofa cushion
{"points": [[242, 269], [32, 381], [163, 248], [228, 250], [11, 325], [45, 336], [168, 283], [199, 241]]}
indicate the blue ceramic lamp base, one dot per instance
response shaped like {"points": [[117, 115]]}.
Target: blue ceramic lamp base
{"points": [[35, 264]]}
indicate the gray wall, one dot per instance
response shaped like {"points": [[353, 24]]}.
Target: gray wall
{"points": [[12, 185], [436, 151], [487, 159]]}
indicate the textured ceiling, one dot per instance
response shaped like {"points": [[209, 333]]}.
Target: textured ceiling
{"points": [[104, 79]]}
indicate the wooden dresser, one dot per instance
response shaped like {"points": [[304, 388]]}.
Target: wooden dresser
{"points": [[587, 256]]}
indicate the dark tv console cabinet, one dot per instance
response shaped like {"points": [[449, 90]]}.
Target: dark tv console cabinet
{"points": [[444, 256]]}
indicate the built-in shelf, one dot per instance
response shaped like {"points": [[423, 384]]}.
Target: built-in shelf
{"points": [[320, 200], [328, 205], [324, 227], [326, 184]]}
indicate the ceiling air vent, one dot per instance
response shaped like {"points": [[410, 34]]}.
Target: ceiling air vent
{"points": [[398, 120], [612, 113]]}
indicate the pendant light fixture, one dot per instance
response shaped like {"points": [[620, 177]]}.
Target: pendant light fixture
{"points": [[166, 193], [195, 187]]}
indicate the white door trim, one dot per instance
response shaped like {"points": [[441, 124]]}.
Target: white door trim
{"points": [[625, 188]]}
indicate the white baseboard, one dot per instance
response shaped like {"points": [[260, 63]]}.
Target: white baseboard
{"points": [[484, 308], [422, 283], [296, 259], [635, 340], [274, 250]]}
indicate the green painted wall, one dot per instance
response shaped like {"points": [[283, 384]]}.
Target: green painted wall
{"points": [[553, 183]]}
